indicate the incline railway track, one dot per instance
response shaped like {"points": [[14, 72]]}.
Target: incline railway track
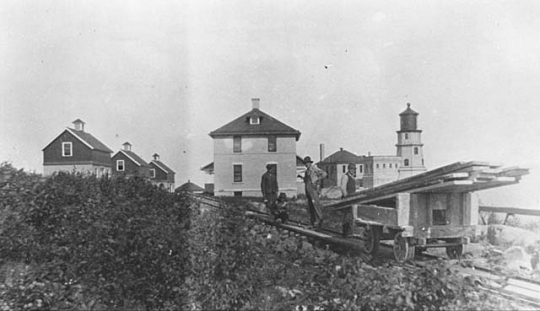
{"points": [[519, 289]]}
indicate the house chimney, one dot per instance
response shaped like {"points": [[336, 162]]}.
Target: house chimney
{"points": [[321, 147], [156, 157], [341, 149], [127, 146], [369, 154], [79, 125], [255, 103]]}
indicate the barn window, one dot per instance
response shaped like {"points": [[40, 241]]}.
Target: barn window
{"points": [[237, 173], [272, 147], [254, 120], [237, 144], [120, 165], [153, 173], [67, 149]]}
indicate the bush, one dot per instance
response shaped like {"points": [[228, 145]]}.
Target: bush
{"points": [[117, 243], [238, 263]]}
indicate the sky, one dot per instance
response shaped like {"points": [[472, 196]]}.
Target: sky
{"points": [[163, 74]]}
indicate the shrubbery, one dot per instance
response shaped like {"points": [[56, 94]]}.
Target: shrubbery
{"points": [[90, 242], [242, 264], [85, 243]]}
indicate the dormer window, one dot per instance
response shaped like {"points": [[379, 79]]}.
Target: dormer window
{"points": [[254, 120]]}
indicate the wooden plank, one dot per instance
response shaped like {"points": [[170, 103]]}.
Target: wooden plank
{"points": [[382, 215], [470, 208], [445, 232], [442, 186], [514, 171], [402, 185], [403, 209], [509, 210]]}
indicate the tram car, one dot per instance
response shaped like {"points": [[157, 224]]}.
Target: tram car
{"points": [[438, 208]]}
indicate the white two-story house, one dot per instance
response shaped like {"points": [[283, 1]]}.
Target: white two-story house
{"points": [[245, 146]]}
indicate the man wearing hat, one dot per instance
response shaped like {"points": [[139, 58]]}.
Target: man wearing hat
{"points": [[311, 178], [348, 182], [269, 188]]}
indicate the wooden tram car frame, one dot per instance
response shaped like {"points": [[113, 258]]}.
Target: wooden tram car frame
{"points": [[415, 222], [438, 208]]}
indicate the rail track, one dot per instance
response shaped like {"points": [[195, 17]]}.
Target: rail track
{"points": [[522, 290]]}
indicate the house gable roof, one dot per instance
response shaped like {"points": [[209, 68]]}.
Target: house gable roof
{"points": [[342, 156], [86, 138], [133, 157], [162, 167], [189, 186], [267, 126]]}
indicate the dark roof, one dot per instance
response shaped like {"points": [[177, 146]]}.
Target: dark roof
{"points": [[163, 167], [268, 126], [91, 140], [134, 157], [342, 156], [408, 111], [85, 138], [209, 166], [299, 161], [189, 186]]}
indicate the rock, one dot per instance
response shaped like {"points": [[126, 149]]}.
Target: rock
{"points": [[516, 258], [510, 236], [333, 192]]}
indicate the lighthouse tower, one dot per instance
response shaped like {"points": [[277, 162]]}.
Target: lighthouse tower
{"points": [[409, 144]]}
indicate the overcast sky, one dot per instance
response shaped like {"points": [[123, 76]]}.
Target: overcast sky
{"points": [[163, 74]]}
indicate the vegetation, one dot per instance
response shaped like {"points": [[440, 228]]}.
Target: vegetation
{"points": [[241, 264], [79, 242], [74, 242]]}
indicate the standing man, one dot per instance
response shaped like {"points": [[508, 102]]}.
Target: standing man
{"points": [[269, 188], [348, 181], [311, 179]]}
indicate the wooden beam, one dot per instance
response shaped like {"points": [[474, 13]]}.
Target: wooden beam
{"points": [[510, 210]]}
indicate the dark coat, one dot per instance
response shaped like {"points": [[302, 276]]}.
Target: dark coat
{"points": [[269, 185]]}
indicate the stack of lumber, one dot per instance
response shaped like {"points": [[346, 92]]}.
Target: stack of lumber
{"points": [[455, 177]]}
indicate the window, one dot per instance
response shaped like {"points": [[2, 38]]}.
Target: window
{"points": [[153, 173], [237, 173], [406, 162], [406, 136], [67, 149], [390, 165], [360, 168], [344, 168], [272, 147], [238, 193], [384, 165], [415, 150], [254, 120], [120, 165], [377, 165], [237, 144]]}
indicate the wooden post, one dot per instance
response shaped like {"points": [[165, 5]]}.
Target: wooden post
{"points": [[403, 206], [470, 208]]}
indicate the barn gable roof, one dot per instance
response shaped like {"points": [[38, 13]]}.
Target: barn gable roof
{"points": [[86, 138]]}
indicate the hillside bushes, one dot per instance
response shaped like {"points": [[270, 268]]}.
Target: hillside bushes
{"points": [[241, 264], [88, 242]]}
